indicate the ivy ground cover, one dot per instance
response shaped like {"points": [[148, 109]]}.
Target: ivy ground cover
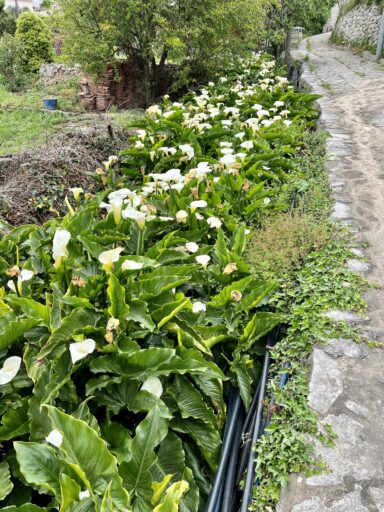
{"points": [[123, 323]]}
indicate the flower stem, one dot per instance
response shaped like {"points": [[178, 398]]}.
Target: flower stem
{"points": [[140, 242]]}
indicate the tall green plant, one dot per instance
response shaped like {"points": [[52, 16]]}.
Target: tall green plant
{"points": [[36, 41], [12, 74], [7, 20], [199, 35], [122, 323]]}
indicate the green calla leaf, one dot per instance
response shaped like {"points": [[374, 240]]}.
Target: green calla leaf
{"points": [[116, 294], [39, 465], [84, 448], [6, 484], [14, 330], [78, 319], [190, 401], [70, 491], [15, 422], [31, 308], [172, 497], [137, 472]]}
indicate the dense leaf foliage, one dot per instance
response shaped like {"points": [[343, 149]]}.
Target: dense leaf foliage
{"points": [[35, 39], [122, 323], [198, 36]]}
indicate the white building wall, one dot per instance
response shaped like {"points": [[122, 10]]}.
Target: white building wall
{"points": [[24, 4]]}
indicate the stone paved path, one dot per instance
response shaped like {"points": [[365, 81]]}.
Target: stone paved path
{"points": [[347, 382]]}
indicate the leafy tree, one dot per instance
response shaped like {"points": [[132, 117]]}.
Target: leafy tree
{"points": [[196, 34], [7, 20], [36, 40], [286, 14], [12, 74]]}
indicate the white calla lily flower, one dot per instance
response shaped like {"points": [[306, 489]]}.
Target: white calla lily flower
{"points": [[83, 495], [117, 204], [152, 385], [214, 222], [107, 206], [59, 246], [108, 258], [228, 160], [188, 150], [203, 260], [192, 247], [131, 265], [247, 144], [81, 349], [55, 438], [138, 217], [76, 191], [10, 369], [198, 204], [198, 307], [181, 217]]}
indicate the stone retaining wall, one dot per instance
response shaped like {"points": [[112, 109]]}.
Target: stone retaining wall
{"points": [[360, 26], [56, 73]]}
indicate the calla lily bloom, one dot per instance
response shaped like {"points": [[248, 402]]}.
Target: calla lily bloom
{"points": [[188, 150], [153, 385], [55, 438], [131, 265], [83, 495], [181, 217], [112, 160], [214, 222], [108, 258], [76, 191], [59, 247], [81, 349], [192, 247], [198, 204], [198, 307], [203, 259], [139, 217], [117, 204], [247, 144], [10, 368], [24, 275]]}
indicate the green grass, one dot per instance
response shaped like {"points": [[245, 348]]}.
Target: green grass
{"points": [[23, 124], [32, 98], [21, 129]]}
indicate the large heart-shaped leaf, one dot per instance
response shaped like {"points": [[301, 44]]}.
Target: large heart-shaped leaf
{"points": [[84, 449], [39, 465], [137, 472]]}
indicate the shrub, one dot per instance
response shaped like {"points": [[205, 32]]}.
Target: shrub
{"points": [[12, 74], [7, 20], [284, 242], [36, 40]]}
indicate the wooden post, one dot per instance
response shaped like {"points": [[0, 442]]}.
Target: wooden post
{"points": [[380, 41]]}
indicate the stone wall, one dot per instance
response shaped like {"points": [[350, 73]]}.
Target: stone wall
{"points": [[121, 87], [358, 27], [56, 73]]}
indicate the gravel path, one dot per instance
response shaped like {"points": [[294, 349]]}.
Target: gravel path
{"points": [[347, 382]]}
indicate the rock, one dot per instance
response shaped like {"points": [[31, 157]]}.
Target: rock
{"points": [[326, 383]]}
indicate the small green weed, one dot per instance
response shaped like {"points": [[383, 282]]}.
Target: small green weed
{"points": [[284, 242]]}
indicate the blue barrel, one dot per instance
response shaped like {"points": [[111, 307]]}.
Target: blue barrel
{"points": [[50, 104]]}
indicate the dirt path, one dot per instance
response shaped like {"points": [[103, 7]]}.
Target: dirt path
{"points": [[347, 382]]}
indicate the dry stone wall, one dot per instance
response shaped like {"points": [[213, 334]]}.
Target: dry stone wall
{"points": [[360, 26]]}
